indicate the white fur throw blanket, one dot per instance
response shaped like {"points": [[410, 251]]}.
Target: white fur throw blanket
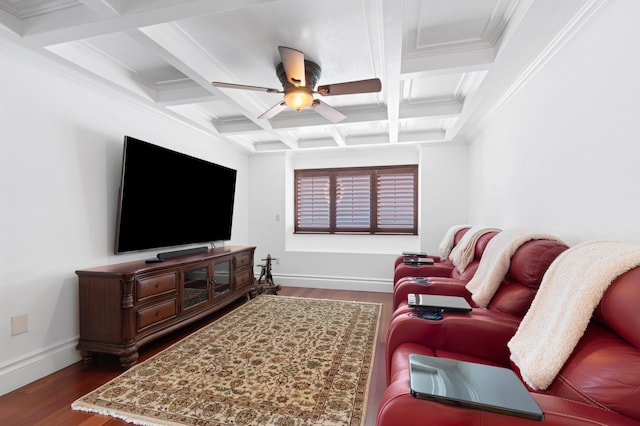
{"points": [[559, 315], [496, 260], [463, 253], [447, 241]]}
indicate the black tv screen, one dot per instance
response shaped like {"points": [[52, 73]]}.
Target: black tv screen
{"points": [[170, 199]]}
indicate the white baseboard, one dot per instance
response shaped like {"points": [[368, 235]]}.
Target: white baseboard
{"points": [[36, 365], [335, 283]]}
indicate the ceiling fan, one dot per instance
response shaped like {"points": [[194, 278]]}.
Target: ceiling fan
{"points": [[299, 77]]}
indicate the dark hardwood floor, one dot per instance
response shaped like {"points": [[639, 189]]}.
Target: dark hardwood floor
{"points": [[48, 400]]}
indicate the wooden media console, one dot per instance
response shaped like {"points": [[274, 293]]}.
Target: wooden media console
{"points": [[125, 305]]}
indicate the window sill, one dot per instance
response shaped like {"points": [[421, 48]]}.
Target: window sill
{"points": [[356, 244]]}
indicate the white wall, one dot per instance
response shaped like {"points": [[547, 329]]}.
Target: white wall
{"points": [[357, 262], [60, 159], [445, 192], [563, 155]]}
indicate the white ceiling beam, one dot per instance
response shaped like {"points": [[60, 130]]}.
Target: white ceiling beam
{"points": [[365, 114], [11, 23], [374, 20], [451, 108], [271, 146], [310, 118], [170, 95], [376, 139], [446, 63], [392, 27], [194, 114], [424, 136], [84, 55], [104, 8], [237, 127], [81, 22], [337, 136], [157, 46], [318, 143]]}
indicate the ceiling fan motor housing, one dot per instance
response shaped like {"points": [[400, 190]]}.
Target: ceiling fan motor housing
{"points": [[311, 74]]}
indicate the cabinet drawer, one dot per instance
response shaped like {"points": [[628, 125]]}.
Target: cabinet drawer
{"points": [[243, 278], [156, 313], [242, 260], [152, 286]]}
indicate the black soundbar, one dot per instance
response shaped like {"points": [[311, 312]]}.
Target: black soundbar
{"points": [[170, 254]]}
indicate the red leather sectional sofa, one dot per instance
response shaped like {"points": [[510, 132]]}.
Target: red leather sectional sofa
{"points": [[598, 385]]}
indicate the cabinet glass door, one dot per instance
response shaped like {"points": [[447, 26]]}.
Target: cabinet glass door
{"points": [[195, 290], [221, 278]]}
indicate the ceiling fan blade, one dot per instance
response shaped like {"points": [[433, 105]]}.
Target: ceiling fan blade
{"points": [[328, 112], [274, 110], [351, 87], [244, 87], [293, 62]]}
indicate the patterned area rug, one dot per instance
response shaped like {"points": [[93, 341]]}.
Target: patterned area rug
{"points": [[273, 361]]}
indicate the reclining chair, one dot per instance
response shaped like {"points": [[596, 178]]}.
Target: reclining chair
{"points": [[598, 384], [452, 277], [443, 259]]}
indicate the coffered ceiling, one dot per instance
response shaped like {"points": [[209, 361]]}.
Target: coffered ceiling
{"points": [[445, 65]]}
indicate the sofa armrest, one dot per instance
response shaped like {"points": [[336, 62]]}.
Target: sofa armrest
{"points": [[398, 407], [400, 259], [435, 270], [480, 333], [436, 285]]}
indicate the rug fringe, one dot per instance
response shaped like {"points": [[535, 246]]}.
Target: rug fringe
{"points": [[133, 419]]}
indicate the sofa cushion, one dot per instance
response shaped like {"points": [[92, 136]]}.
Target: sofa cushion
{"points": [[527, 268], [604, 368]]}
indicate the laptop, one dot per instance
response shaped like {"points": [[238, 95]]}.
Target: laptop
{"points": [[471, 385], [418, 261], [414, 253], [437, 303]]}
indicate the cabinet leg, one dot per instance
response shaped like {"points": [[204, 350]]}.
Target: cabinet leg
{"points": [[87, 357], [129, 360]]}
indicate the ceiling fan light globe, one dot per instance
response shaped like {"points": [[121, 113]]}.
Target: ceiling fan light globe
{"points": [[298, 99]]}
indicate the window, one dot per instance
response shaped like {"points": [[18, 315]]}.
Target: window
{"points": [[369, 200]]}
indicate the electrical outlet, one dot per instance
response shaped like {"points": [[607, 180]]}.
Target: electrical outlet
{"points": [[19, 324]]}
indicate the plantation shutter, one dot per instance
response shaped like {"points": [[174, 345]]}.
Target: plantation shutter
{"points": [[396, 201], [353, 201], [313, 202], [372, 200]]}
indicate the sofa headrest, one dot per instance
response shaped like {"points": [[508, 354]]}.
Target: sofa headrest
{"points": [[618, 308], [532, 259], [458, 236], [482, 242]]}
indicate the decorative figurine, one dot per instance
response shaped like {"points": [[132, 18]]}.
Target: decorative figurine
{"points": [[268, 286]]}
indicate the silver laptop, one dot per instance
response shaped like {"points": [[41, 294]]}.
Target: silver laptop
{"points": [[471, 385], [437, 303], [417, 261], [414, 253]]}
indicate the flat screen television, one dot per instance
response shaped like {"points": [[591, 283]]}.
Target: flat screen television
{"points": [[170, 199]]}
